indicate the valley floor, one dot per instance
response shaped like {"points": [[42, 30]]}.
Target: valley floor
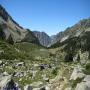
{"points": [[38, 68]]}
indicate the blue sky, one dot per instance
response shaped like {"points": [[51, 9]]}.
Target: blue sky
{"points": [[51, 16]]}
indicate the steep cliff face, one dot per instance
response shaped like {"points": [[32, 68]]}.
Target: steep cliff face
{"points": [[44, 39], [12, 31]]}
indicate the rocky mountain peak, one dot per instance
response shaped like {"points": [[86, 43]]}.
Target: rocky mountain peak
{"points": [[44, 39]]}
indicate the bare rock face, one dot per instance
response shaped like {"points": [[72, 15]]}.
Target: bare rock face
{"points": [[43, 38], [12, 31]]}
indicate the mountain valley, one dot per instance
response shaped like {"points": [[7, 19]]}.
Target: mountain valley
{"points": [[33, 60]]}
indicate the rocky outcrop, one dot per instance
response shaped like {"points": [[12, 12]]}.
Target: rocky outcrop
{"points": [[44, 39], [77, 73]]}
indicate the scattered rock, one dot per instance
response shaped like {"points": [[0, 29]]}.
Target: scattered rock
{"points": [[42, 88], [5, 73], [20, 64], [43, 66], [19, 74]]}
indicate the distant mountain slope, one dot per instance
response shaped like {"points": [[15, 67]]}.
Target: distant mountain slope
{"points": [[44, 39], [71, 32], [12, 31], [76, 42], [57, 37]]}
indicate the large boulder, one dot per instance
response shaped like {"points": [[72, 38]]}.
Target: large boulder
{"points": [[87, 78], [11, 85], [85, 84], [19, 74], [4, 81], [7, 83], [81, 86], [77, 73]]}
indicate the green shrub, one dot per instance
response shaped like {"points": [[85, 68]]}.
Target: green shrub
{"points": [[87, 69], [55, 71]]}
